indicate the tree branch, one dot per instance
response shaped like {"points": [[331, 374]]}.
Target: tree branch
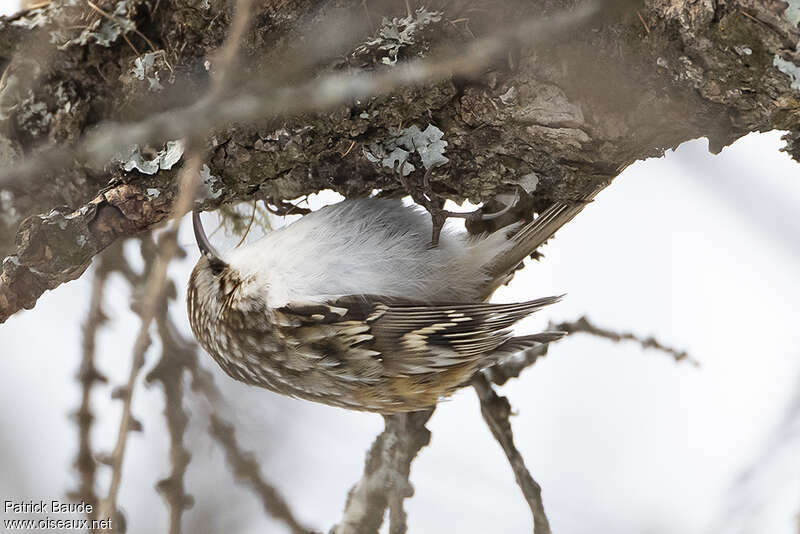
{"points": [[583, 325], [263, 100], [385, 479], [47, 255], [88, 375], [176, 354], [153, 291], [496, 411], [503, 372], [246, 469]]}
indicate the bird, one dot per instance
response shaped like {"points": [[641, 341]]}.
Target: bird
{"points": [[351, 306]]}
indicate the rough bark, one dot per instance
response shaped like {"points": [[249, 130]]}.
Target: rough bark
{"points": [[573, 112]]}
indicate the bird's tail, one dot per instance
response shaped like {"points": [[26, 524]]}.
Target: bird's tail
{"points": [[531, 236], [524, 344]]}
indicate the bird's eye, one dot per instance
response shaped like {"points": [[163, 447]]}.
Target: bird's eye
{"points": [[216, 266]]}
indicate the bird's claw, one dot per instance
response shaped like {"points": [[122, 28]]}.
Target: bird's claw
{"points": [[434, 204]]}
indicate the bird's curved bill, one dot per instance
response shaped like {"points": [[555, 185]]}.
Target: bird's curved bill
{"points": [[202, 239]]}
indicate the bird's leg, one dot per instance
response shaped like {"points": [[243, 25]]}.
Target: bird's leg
{"points": [[438, 218], [434, 204], [282, 208], [425, 197], [436, 208], [478, 215]]}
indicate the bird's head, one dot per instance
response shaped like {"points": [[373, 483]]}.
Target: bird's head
{"points": [[214, 286]]}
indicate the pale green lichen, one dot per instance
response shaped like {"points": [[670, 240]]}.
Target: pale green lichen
{"points": [[211, 185], [31, 115], [529, 182], [394, 153], [39, 17], [144, 69], [165, 159], [105, 31], [792, 12], [396, 34], [63, 97], [103, 28]]}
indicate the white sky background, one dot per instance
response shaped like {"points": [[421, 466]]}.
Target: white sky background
{"points": [[700, 250], [7, 7]]}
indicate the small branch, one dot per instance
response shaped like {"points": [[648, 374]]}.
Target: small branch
{"points": [[502, 372], [644, 23], [385, 479], [244, 465], [246, 469], [122, 24], [156, 282], [88, 375], [496, 411], [226, 57], [583, 325], [175, 353]]}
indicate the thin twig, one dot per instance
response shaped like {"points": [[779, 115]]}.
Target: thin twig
{"points": [[246, 469], [88, 375], [496, 411], [243, 464], [385, 479], [346, 152], [511, 368], [583, 325], [249, 225], [130, 43], [751, 17], [175, 353], [169, 370], [646, 27], [154, 287], [225, 59]]}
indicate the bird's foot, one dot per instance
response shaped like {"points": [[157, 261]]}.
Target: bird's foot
{"points": [[424, 195]]}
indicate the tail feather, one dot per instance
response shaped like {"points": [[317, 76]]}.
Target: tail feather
{"points": [[522, 344], [532, 236]]}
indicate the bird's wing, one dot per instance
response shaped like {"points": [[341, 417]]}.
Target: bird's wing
{"points": [[404, 338]]}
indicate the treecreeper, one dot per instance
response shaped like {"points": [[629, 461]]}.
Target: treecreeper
{"points": [[351, 306]]}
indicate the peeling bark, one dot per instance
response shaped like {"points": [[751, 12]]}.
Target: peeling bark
{"points": [[58, 247], [573, 113]]}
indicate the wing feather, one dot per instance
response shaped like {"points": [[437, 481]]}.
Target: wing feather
{"points": [[409, 338]]}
